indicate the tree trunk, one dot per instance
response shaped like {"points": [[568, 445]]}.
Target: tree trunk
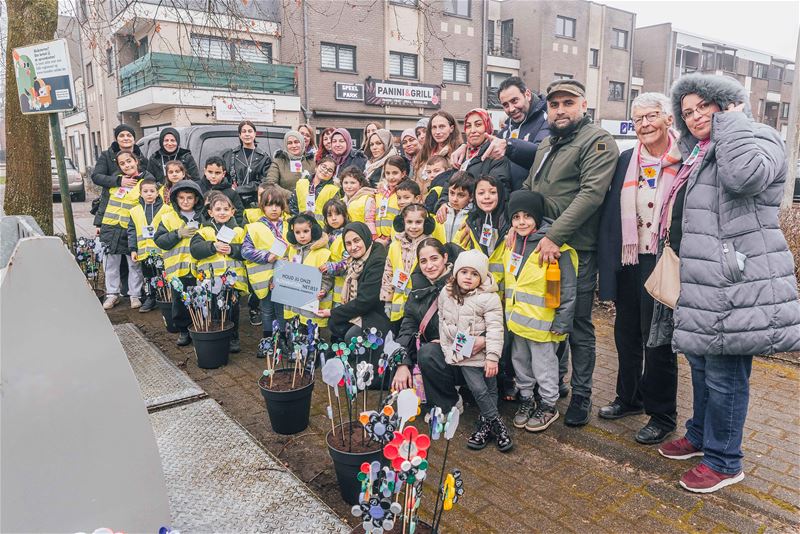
{"points": [[28, 177]]}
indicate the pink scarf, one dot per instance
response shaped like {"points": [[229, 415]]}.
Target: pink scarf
{"points": [[680, 180], [666, 167]]}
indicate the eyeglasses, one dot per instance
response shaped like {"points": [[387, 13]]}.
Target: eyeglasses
{"points": [[651, 118], [702, 109], [326, 170]]}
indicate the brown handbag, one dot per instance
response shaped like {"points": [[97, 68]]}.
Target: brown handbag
{"points": [[664, 283]]}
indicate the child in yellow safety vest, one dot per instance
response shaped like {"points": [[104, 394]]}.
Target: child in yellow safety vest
{"points": [[413, 225], [408, 192], [336, 219], [217, 248], [265, 243], [114, 231], [311, 193], [395, 170], [175, 172], [304, 231], [359, 197], [173, 236], [539, 305], [145, 217]]}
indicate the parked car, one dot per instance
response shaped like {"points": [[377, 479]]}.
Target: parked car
{"points": [[213, 140], [77, 189]]}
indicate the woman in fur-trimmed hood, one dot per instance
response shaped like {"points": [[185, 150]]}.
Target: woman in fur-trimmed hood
{"points": [[738, 292]]}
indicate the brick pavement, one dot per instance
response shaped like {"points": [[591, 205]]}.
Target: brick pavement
{"points": [[594, 479]]}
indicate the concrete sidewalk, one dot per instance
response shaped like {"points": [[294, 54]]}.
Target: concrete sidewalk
{"points": [[592, 479]]}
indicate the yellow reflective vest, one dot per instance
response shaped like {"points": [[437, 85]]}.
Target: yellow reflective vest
{"points": [[399, 296], [337, 254], [120, 202], [386, 209], [145, 245], [260, 274], [314, 258], [252, 215], [357, 209], [178, 260], [526, 314], [222, 262], [324, 192], [438, 233]]}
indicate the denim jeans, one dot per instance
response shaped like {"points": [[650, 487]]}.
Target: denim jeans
{"points": [[721, 391], [270, 311]]}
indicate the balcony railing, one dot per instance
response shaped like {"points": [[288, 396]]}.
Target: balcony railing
{"points": [[508, 48], [157, 69]]}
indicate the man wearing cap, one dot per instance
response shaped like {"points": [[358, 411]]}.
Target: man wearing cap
{"points": [[106, 172], [525, 128], [572, 169]]}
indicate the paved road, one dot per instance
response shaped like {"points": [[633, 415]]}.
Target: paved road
{"points": [[80, 212]]}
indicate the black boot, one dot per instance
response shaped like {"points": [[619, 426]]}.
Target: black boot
{"points": [[183, 339], [149, 304], [481, 436], [235, 346], [501, 435]]}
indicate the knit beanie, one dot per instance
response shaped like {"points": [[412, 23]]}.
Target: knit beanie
{"points": [[361, 229], [422, 123], [123, 128], [528, 202], [473, 258]]}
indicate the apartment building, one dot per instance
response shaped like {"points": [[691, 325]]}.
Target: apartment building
{"points": [[671, 53], [390, 61], [543, 41]]}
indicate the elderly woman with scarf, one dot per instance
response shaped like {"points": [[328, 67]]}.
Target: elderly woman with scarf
{"points": [[360, 308], [738, 291], [289, 164], [647, 378], [379, 149], [343, 153]]}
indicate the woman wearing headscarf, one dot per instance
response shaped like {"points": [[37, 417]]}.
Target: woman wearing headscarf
{"points": [[379, 149], [738, 291], [343, 153], [289, 164], [647, 378], [169, 142], [361, 308]]}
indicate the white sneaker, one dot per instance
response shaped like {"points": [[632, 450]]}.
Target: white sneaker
{"points": [[110, 302], [136, 303]]}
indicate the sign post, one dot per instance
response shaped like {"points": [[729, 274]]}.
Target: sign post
{"points": [[44, 85]]}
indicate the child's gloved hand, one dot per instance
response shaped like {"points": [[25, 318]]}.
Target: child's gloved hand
{"points": [[185, 231]]}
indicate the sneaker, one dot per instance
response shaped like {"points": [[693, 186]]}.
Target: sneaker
{"points": [[578, 411], [679, 449], [501, 435], [481, 436], [235, 346], [703, 479], [255, 317], [526, 408], [542, 417], [149, 304], [183, 339], [136, 303], [110, 302]]}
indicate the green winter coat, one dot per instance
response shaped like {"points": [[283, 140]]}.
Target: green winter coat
{"points": [[280, 172], [573, 173]]}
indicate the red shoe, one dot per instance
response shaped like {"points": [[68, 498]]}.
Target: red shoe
{"points": [[679, 449], [703, 479]]}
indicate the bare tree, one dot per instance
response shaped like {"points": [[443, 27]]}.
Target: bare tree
{"points": [[28, 180]]}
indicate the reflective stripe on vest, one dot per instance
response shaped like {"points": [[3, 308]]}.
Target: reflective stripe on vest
{"points": [[145, 245], [383, 224], [178, 261], [314, 258], [399, 297], [117, 212], [260, 274], [221, 262], [324, 192], [357, 209]]}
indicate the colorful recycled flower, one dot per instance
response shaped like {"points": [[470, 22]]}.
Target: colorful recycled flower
{"points": [[452, 489], [405, 447], [435, 418], [364, 375], [380, 426], [375, 508], [373, 339]]}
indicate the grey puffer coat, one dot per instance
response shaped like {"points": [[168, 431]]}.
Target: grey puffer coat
{"points": [[738, 289]]}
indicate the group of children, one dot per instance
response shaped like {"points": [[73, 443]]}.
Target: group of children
{"points": [[498, 278]]}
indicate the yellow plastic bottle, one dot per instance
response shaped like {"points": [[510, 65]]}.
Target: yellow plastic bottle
{"points": [[552, 293]]}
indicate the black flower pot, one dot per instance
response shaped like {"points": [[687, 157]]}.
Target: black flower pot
{"points": [[288, 410], [212, 348], [348, 464], [166, 314]]}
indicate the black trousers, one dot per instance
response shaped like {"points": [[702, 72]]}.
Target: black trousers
{"points": [[647, 376], [440, 379], [340, 325]]}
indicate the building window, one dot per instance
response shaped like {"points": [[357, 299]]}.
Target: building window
{"points": [[561, 76], [619, 39], [142, 47], [758, 70], [338, 57], [490, 36], [785, 110], [110, 61], [455, 71], [616, 91], [459, 8], [402, 65], [207, 47], [594, 57], [89, 75], [496, 78], [590, 113], [565, 27]]}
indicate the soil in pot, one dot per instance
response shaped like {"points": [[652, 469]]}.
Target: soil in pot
{"points": [[213, 347], [347, 461], [288, 407], [352, 431]]}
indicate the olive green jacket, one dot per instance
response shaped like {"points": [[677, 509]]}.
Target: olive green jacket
{"points": [[573, 173], [280, 172]]}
